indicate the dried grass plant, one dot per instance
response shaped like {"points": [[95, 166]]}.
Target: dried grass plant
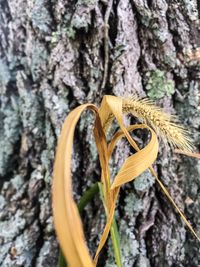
{"points": [[67, 220]]}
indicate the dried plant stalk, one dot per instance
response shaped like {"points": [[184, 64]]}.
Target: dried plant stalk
{"points": [[66, 217]]}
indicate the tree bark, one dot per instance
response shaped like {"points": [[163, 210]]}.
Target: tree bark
{"points": [[56, 55]]}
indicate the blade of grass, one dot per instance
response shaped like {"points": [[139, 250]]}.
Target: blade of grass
{"points": [[114, 234], [87, 197], [116, 242], [61, 260], [84, 200]]}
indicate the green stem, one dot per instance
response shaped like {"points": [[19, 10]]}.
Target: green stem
{"points": [[84, 200], [116, 242], [61, 260], [114, 234], [87, 197]]}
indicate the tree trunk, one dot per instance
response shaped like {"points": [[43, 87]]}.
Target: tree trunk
{"points": [[56, 55]]}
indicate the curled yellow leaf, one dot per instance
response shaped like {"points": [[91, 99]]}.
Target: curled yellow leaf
{"points": [[133, 167], [66, 217], [67, 221]]}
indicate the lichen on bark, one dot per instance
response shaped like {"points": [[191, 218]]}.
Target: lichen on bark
{"points": [[52, 59]]}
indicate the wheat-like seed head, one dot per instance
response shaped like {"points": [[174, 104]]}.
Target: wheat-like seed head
{"points": [[165, 125]]}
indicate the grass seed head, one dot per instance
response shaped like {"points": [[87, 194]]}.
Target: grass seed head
{"points": [[166, 126]]}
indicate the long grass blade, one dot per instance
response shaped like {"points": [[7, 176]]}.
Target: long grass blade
{"points": [[66, 216]]}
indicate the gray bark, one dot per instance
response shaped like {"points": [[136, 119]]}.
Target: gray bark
{"points": [[52, 58]]}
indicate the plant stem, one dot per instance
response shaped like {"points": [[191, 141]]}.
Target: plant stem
{"points": [[114, 234], [87, 197], [61, 260], [116, 242], [84, 200]]}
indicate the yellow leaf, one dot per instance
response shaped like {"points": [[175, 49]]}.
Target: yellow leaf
{"points": [[66, 217], [139, 162], [133, 166], [67, 221]]}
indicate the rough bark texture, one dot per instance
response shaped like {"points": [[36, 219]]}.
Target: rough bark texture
{"points": [[52, 58]]}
